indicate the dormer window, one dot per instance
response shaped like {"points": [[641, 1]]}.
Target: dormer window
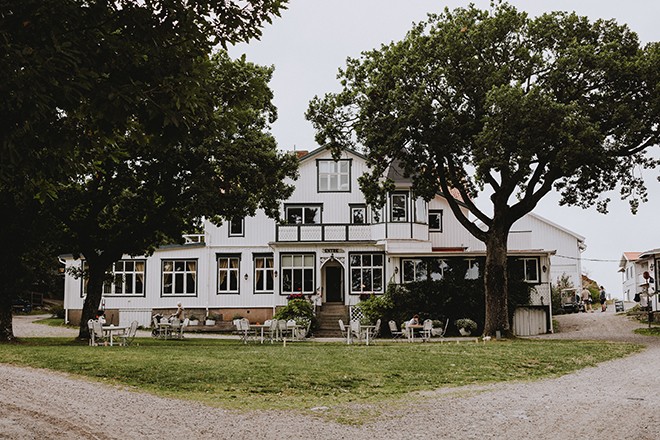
{"points": [[399, 207], [334, 176]]}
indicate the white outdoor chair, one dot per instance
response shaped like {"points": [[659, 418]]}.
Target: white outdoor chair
{"points": [[96, 333], [342, 327], [282, 329], [355, 330], [129, 334], [244, 330], [376, 330], [272, 330], [426, 330], [177, 332], [396, 334]]}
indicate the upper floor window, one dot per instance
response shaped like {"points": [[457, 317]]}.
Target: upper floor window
{"points": [[399, 207], [435, 220], [228, 273], [127, 278], [423, 269], [179, 277], [303, 215], [334, 176], [237, 227], [264, 275], [358, 214]]}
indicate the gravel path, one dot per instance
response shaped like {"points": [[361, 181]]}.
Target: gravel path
{"points": [[615, 400]]}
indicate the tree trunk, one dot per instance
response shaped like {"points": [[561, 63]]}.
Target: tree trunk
{"points": [[6, 329], [96, 273], [496, 284]]}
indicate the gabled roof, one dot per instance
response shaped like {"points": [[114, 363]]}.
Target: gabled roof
{"points": [[626, 257], [650, 253], [304, 155]]}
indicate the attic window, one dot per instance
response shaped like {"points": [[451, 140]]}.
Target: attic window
{"points": [[334, 176]]}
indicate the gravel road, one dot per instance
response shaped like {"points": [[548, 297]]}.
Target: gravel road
{"points": [[615, 400]]}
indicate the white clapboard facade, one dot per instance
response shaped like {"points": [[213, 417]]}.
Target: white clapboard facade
{"points": [[329, 244]]}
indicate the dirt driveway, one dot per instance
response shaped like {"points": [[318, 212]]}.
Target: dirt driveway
{"points": [[615, 400]]}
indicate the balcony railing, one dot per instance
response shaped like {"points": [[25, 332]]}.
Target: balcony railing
{"points": [[323, 233]]}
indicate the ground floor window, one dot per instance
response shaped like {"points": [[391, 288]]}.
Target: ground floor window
{"points": [[127, 278], [297, 274], [530, 269], [367, 273], [421, 269], [264, 274], [179, 277], [228, 273]]}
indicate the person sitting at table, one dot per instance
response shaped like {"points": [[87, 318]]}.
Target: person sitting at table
{"points": [[413, 321], [100, 316], [180, 313]]}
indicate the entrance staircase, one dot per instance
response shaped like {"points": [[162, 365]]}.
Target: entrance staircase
{"points": [[328, 316]]}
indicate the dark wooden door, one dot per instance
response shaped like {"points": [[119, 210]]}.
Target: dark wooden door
{"points": [[333, 284]]}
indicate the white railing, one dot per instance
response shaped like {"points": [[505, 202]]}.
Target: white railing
{"points": [[193, 238], [323, 233]]}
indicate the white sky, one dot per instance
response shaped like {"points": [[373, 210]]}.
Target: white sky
{"points": [[313, 38]]}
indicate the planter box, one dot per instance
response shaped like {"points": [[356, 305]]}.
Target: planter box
{"points": [[195, 322], [209, 322]]}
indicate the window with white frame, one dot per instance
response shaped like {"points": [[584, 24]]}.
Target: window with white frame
{"points": [[367, 272], [435, 220], [127, 278], [358, 214], [297, 274], [264, 274], [414, 270], [399, 207], [179, 277], [303, 215], [530, 268], [334, 176], [228, 273], [472, 272], [237, 227]]}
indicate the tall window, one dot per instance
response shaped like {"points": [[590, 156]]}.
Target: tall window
{"points": [[127, 278], [297, 215], [263, 274], [334, 176], [399, 207], [367, 272], [179, 277], [297, 273], [236, 227], [228, 273], [435, 220], [358, 214]]}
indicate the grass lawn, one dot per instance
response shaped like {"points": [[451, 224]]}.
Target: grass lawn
{"points": [[228, 374]]}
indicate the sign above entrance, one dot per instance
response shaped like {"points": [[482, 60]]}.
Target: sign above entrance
{"points": [[333, 251]]}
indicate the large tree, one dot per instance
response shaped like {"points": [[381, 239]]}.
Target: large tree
{"points": [[79, 78], [498, 103], [226, 166]]}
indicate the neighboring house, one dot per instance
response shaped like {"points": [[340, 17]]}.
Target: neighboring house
{"points": [[639, 274], [329, 244]]}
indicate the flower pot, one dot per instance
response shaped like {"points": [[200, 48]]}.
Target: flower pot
{"points": [[209, 322], [464, 332], [193, 322]]}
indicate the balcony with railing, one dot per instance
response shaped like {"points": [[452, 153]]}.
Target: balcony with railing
{"points": [[308, 233]]}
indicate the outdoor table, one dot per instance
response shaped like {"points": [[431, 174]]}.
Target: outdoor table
{"points": [[111, 329], [260, 327], [411, 329], [367, 329], [164, 329]]}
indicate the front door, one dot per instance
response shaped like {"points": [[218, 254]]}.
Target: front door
{"points": [[333, 291]]}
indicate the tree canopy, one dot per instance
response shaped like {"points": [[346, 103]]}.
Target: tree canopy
{"points": [[498, 103], [91, 86]]}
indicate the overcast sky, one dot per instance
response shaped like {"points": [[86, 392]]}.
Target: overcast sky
{"points": [[313, 38]]}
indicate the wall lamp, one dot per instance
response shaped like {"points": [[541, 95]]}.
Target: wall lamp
{"points": [[245, 277]]}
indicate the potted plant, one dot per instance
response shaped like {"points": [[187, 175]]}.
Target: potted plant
{"points": [[211, 319], [193, 320], [466, 326]]}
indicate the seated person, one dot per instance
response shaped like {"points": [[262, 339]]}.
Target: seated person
{"points": [[413, 321], [100, 316]]}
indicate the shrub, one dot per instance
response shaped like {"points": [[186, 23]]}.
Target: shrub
{"points": [[57, 311], [299, 310], [467, 324]]}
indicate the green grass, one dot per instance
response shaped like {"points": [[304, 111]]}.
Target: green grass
{"points": [[228, 374], [653, 331], [54, 322]]}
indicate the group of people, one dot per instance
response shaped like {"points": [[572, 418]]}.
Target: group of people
{"points": [[587, 301]]}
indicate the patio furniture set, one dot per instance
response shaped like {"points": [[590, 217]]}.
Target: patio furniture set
{"points": [[357, 332], [272, 330], [110, 335], [164, 328]]}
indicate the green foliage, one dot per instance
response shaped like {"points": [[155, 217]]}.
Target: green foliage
{"points": [[374, 308], [563, 282], [300, 310], [56, 311], [500, 102], [466, 324]]}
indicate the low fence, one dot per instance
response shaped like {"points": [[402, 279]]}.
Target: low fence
{"points": [[532, 320]]}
